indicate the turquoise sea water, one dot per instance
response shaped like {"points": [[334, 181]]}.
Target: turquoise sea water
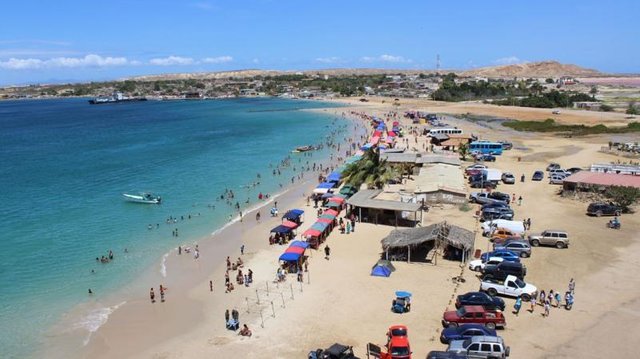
{"points": [[64, 165]]}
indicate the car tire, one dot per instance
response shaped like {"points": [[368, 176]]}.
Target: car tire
{"points": [[524, 255], [560, 245], [452, 325], [617, 213], [492, 292], [526, 297], [535, 242], [491, 326], [599, 214]]}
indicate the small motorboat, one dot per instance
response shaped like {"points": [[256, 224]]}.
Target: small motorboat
{"points": [[303, 149], [148, 198]]}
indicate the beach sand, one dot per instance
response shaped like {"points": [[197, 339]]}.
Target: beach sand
{"points": [[340, 302]]}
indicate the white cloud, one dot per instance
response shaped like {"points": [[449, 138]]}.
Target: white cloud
{"points": [[172, 60], [386, 58], [90, 60], [217, 60], [509, 60], [328, 60]]}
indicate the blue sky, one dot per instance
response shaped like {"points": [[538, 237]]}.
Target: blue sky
{"points": [[53, 41]]}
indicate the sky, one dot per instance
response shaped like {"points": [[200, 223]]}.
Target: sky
{"points": [[79, 41]]}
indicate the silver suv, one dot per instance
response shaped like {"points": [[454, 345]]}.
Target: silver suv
{"points": [[481, 346], [550, 237]]}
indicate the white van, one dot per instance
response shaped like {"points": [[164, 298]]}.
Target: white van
{"points": [[516, 227]]}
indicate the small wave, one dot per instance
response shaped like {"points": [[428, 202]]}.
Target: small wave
{"points": [[163, 265], [95, 319]]}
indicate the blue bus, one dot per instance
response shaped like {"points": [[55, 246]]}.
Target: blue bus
{"points": [[486, 147]]}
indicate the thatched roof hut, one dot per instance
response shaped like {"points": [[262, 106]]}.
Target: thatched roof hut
{"points": [[443, 234]]}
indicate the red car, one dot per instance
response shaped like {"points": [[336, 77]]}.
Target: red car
{"points": [[397, 343], [474, 314]]}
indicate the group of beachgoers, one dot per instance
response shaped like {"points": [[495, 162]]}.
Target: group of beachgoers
{"points": [[232, 322], [106, 258], [547, 300], [152, 294], [241, 278]]}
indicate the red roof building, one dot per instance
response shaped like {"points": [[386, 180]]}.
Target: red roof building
{"points": [[586, 179]]}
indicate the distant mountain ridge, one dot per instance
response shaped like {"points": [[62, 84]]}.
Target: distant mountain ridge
{"points": [[533, 69], [529, 69]]}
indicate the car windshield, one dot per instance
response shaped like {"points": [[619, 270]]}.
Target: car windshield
{"points": [[398, 332], [520, 283], [400, 351]]}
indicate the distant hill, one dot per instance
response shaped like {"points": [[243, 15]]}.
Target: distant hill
{"points": [[533, 69]]}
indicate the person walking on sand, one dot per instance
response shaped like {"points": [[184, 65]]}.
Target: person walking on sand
{"points": [[327, 252], [517, 306], [226, 316], [572, 285], [547, 306], [558, 299], [353, 222], [161, 294], [348, 226], [533, 304], [543, 297], [211, 286], [520, 201], [152, 295], [242, 249]]}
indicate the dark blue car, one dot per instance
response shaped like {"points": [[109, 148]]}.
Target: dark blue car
{"points": [[465, 331], [507, 255], [537, 176]]}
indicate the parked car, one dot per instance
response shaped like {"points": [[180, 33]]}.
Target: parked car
{"points": [[506, 255], [501, 234], [436, 354], [486, 197], [537, 176], [513, 226], [521, 248], [477, 265], [556, 179], [482, 347], [479, 298], [508, 178], [573, 170], [474, 314], [494, 205], [497, 213], [550, 237], [486, 158], [510, 286], [503, 240], [506, 145], [503, 269], [336, 351], [475, 167], [553, 166], [603, 209], [464, 331], [559, 171], [482, 184]]}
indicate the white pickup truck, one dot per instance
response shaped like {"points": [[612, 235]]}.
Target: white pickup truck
{"points": [[485, 198], [511, 286]]}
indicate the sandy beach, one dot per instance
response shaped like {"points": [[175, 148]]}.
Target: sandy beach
{"points": [[339, 301]]}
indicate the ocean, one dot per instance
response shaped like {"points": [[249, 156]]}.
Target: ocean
{"points": [[65, 165]]}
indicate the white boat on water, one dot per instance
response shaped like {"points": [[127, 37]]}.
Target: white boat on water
{"points": [[147, 198]]}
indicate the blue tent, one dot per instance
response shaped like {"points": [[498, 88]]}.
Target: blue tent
{"points": [[299, 244], [380, 271], [290, 257], [334, 177], [281, 229], [366, 147], [293, 214]]}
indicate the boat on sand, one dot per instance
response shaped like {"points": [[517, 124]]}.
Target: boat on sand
{"points": [[303, 149]]}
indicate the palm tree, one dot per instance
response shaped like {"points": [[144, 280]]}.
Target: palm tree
{"points": [[463, 150], [370, 169]]}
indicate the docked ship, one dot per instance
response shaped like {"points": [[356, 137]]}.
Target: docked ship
{"points": [[116, 97]]}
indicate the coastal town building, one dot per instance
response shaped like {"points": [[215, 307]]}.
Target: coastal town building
{"points": [[599, 181], [374, 206], [439, 183]]}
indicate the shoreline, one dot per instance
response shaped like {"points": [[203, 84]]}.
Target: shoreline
{"points": [[171, 270]]}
